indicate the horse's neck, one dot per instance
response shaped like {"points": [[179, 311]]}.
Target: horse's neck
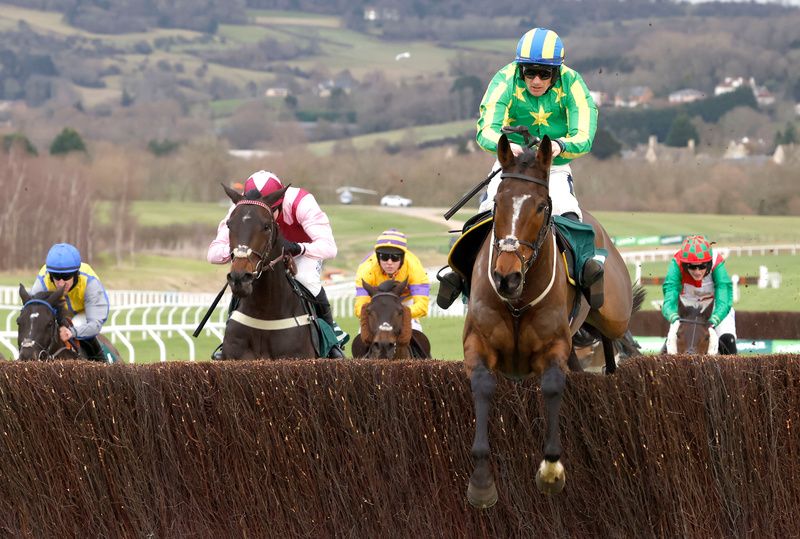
{"points": [[699, 304], [272, 295]]}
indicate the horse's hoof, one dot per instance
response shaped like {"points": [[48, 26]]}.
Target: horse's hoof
{"points": [[482, 497], [550, 477]]}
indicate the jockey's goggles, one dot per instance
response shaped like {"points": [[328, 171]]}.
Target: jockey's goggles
{"points": [[386, 257], [702, 266], [62, 276], [533, 71]]}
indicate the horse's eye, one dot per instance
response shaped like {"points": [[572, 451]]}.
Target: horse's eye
{"points": [[541, 207], [17, 320], [228, 223]]}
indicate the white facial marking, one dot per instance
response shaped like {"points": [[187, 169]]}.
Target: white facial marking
{"points": [[518, 202], [34, 315], [386, 326]]}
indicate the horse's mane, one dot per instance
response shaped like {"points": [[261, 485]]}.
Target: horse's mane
{"points": [[252, 194], [387, 286], [527, 158]]}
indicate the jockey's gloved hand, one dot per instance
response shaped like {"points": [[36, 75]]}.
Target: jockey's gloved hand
{"points": [[291, 247], [714, 321]]}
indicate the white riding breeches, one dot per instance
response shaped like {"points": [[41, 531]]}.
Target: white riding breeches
{"points": [[309, 271], [561, 191], [728, 325]]}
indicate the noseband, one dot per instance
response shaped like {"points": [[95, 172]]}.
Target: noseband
{"points": [[244, 250], [511, 244]]}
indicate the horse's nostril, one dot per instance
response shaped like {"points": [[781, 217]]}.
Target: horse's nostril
{"points": [[513, 280]]}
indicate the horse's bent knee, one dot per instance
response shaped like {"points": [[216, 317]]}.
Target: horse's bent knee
{"points": [[553, 382], [482, 381]]}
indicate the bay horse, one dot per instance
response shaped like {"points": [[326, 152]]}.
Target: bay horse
{"points": [[271, 320], [386, 331], [37, 329], [693, 334], [518, 318]]}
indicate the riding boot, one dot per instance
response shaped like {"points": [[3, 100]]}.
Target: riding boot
{"points": [[727, 344], [451, 285], [592, 275], [93, 349], [323, 307]]}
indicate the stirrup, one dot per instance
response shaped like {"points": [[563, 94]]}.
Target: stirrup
{"points": [[217, 353], [450, 287]]}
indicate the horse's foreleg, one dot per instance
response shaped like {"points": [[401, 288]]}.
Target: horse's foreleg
{"points": [[482, 492], [550, 476]]}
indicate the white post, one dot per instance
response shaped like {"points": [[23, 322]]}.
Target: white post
{"points": [[735, 281], [638, 278]]}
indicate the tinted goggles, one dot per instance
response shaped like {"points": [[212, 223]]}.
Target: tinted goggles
{"points": [[386, 257], [62, 276], [533, 71], [702, 266]]}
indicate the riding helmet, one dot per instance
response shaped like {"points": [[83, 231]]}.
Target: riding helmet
{"points": [[63, 258], [695, 250], [540, 46]]}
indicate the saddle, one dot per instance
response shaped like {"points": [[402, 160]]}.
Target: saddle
{"points": [[324, 338]]}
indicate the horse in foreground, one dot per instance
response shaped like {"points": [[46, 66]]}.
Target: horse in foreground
{"points": [[692, 332], [386, 331], [37, 329], [519, 316], [271, 320]]}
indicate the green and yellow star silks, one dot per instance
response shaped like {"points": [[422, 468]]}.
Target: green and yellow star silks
{"points": [[566, 112]]}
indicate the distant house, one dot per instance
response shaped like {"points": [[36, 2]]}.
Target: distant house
{"points": [[344, 81], [372, 13], [276, 92], [687, 95], [633, 97], [730, 84], [764, 97]]}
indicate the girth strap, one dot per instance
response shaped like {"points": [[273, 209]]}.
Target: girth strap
{"points": [[271, 325]]}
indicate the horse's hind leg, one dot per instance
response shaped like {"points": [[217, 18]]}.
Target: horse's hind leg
{"points": [[550, 476], [482, 492], [608, 353]]}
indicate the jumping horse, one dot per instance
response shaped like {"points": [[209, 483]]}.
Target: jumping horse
{"points": [[386, 331], [271, 320], [37, 328], [518, 319], [692, 332]]}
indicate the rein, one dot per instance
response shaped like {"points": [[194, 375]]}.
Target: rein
{"points": [[44, 352]]}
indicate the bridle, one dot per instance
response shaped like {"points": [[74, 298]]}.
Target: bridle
{"points": [[511, 244], [44, 352], [385, 326], [244, 250]]}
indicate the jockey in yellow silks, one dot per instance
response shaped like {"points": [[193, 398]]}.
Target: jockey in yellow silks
{"points": [[391, 259]]}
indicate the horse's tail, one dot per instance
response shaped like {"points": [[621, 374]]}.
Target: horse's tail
{"points": [[639, 293], [627, 345]]}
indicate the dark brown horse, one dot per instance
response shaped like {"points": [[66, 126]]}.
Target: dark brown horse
{"points": [[386, 331], [693, 334], [270, 321], [37, 329], [518, 320]]}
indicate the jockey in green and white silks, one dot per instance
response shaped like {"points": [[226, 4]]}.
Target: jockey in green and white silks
{"points": [[537, 90], [696, 274]]}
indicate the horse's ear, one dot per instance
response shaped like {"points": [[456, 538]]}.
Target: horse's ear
{"points": [[274, 196], [369, 288], [399, 287], [23, 294], [544, 155], [504, 154], [234, 195]]}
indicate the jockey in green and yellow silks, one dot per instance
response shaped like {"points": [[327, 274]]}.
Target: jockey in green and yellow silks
{"points": [[86, 298]]}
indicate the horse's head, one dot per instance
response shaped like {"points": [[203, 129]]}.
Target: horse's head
{"points": [[253, 238], [521, 215], [694, 334], [37, 325], [385, 321]]}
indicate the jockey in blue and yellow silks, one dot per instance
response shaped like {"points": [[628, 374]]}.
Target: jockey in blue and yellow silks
{"points": [[86, 298], [392, 260]]}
